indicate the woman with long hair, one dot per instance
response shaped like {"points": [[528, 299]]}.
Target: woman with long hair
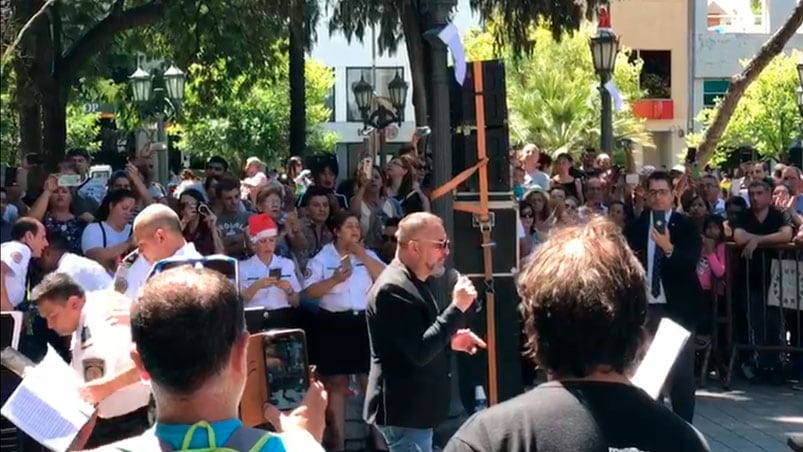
{"points": [[199, 223], [563, 179], [54, 208], [408, 188], [340, 276], [109, 238], [372, 206]]}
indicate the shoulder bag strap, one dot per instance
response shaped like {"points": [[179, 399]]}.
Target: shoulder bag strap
{"points": [[103, 232], [247, 439]]}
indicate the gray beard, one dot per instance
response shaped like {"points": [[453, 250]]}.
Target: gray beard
{"points": [[438, 271]]}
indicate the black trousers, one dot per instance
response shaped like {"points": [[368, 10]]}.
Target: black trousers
{"points": [[680, 383], [118, 428]]}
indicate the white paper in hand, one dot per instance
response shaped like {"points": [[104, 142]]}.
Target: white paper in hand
{"points": [[666, 345], [47, 405]]}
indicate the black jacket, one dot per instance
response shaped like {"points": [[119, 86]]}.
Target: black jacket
{"points": [[679, 271], [409, 383]]}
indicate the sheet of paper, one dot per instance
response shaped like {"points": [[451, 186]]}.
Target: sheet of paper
{"points": [[666, 345], [47, 406]]}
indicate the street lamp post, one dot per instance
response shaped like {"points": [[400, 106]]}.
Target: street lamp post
{"points": [[381, 116], [604, 47], [800, 99], [154, 102]]}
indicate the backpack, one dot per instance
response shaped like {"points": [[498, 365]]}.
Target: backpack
{"points": [[244, 439]]}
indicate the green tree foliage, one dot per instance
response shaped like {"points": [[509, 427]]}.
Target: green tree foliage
{"points": [[766, 117], [9, 130], [82, 129], [553, 95], [77, 38], [243, 119]]}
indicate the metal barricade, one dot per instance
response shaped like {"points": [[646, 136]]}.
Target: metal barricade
{"points": [[764, 305]]}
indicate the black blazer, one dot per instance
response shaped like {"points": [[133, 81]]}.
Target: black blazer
{"points": [[678, 272], [409, 383]]}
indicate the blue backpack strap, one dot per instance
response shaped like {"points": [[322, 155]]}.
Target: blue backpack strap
{"points": [[246, 439]]}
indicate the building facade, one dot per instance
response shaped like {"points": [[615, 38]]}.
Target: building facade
{"points": [[656, 32], [726, 33], [352, 60]]}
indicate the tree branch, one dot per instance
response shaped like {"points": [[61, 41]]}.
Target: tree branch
{"points": [[741, 81], [99, 36], [22, 33]]}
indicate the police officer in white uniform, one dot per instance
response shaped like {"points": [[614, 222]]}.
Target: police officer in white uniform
{"points": [[101, 354], [269, 281], [340, 276], [28, 239], [89, 274], [158, 235]]}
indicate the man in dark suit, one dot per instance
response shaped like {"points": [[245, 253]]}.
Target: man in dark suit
{"points": [[409, 381], [668, 245]]}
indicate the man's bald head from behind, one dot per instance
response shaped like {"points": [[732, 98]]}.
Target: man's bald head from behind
{"points": [[158, 232]]}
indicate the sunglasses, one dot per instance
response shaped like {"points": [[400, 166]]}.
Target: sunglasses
{"points": [[224, 265], [439, 244], [526, 215], [214, 168]]}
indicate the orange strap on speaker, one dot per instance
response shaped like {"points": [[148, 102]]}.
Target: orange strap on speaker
{"points": [[452, 185], [485, 229]]}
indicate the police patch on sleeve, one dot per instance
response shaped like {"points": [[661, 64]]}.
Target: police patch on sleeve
{"points": [[120, 284], [16, 256], [94, 368]]}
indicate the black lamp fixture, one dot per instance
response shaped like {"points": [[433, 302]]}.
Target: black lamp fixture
{"points": [[604, 48], [142, 84], [381, 116]]}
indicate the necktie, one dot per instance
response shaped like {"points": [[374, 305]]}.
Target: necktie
{"points": [[657, 259]]}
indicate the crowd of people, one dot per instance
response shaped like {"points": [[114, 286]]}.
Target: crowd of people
{"points": [[311, 251], [750, 207]]}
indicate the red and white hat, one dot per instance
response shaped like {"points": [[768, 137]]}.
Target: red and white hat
{"points": [[261, 226]]}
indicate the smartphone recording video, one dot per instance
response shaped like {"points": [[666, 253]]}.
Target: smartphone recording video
{"points": [[275, 273], [286, 367]]}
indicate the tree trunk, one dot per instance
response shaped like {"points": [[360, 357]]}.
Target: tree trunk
{"points": [[54, 113], [740, 82], [298, 95], [413, 38], [26, 97]]}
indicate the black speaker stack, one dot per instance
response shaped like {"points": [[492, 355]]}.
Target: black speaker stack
{"points": [[468, 252]]}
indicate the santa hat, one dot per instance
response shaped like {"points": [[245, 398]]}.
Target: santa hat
{"points": [[261, 226]]}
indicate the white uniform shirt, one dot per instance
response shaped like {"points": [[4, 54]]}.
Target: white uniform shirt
{"points": [[351, 294], [129, 278], [16, 255], [92, 236], [271, 298], [102, 349], [661, 298], [90, 275]]}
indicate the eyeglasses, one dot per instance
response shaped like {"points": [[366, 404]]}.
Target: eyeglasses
{"points": [[526, 215], [661, 192], [224, 265], [214, 168]]}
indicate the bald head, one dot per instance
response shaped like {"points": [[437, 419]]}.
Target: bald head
{"points": [[157, 216], [158, 233], [412, 225]]}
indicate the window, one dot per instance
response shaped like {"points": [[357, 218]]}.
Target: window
{"points": [[656, 73], [713, 90], [329, 101], [383, 74]]}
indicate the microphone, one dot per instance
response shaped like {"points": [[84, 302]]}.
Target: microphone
{"points": [[452, 276]]}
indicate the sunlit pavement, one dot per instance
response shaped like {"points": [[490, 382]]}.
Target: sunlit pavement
{"points": [[750, 417]]}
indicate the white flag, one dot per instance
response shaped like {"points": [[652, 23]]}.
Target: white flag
{"points": [[618, 102], [450, 36]]}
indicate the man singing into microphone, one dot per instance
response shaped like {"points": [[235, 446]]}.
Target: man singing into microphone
{"points": [[409, 382]]}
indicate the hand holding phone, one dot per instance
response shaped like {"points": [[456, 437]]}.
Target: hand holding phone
{"points": [[275, 273], [659, 220]]}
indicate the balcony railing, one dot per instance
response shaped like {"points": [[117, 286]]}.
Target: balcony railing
{"points": [[654, 108]]}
